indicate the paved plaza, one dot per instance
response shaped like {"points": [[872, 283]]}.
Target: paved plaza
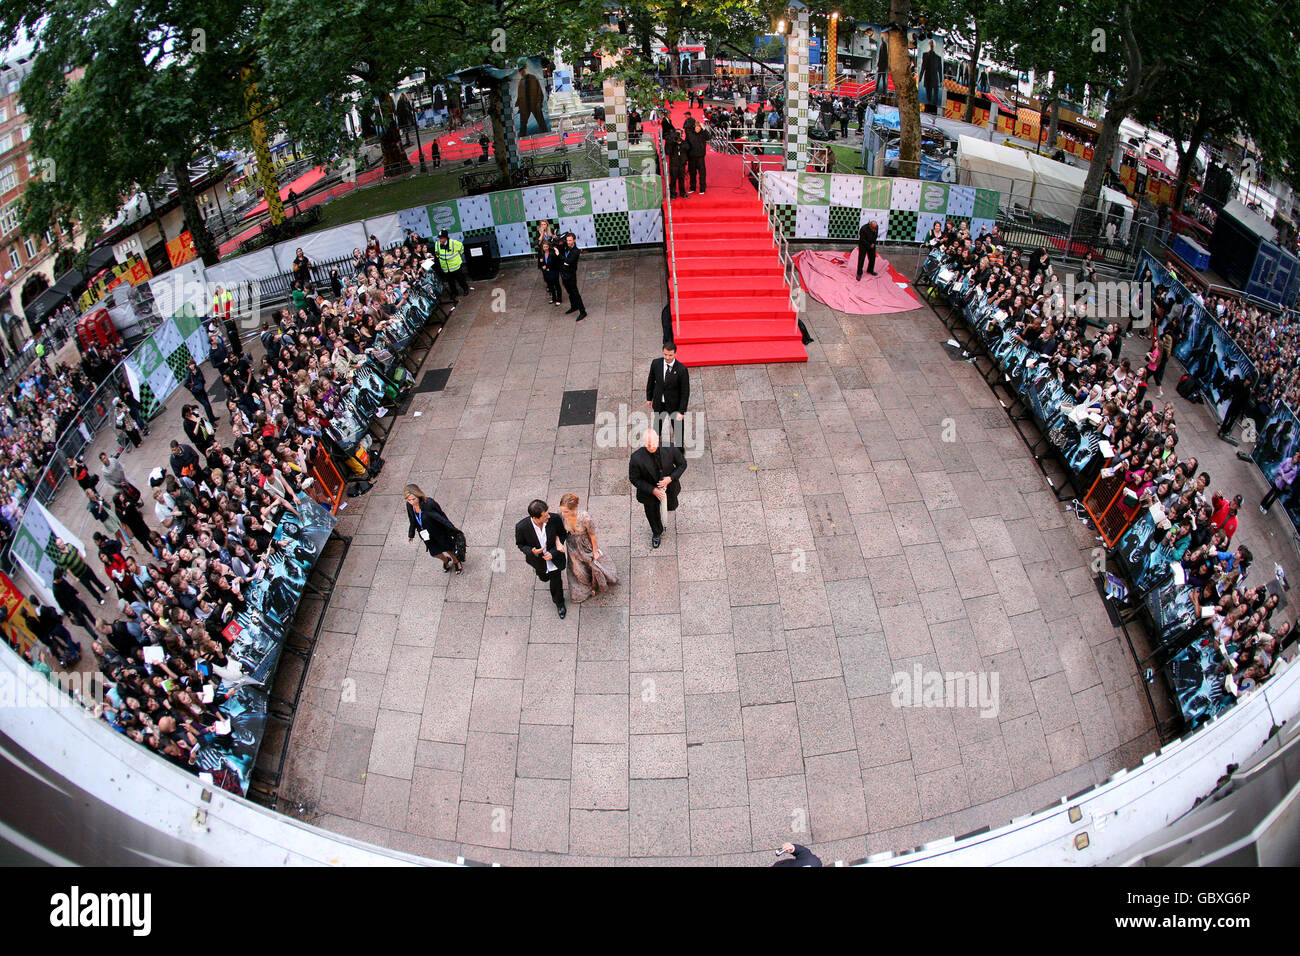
{"points": [[733, 691]]}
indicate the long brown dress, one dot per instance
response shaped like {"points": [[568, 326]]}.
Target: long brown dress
{"points": [[588, 575]]}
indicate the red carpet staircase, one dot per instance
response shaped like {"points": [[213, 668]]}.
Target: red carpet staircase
{"points": [[733, 306]]}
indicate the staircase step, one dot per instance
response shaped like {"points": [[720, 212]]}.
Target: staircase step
{"points": [[735, 308], [709, 287], [743, 353], [731, 268], [748, 245], [695, 331]]}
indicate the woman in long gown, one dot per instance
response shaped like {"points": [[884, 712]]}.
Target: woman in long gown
{"points": [[590, 570]]}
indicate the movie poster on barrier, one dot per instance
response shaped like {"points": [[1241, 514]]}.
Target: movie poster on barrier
{"points": [[1209, 354], [1278, 440], [257, 638]]}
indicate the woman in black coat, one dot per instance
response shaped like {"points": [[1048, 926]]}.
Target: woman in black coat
{"points": [[433, 526]]}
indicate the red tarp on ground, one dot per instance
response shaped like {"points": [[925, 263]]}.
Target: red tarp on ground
{"points": [[832, 278]]}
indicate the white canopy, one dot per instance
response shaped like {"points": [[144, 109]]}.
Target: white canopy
{"points": [[993, 166], [1033, 181]]}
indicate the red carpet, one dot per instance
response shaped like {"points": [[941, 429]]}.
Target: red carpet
{"points": [[733, 306], [832, 278]]}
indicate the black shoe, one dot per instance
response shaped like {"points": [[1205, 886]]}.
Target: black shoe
{"points": [[561, 610], [654, 541], [871, 272], [581, 316], [570, 311]]}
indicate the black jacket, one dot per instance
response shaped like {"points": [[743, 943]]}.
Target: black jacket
{"points": [[695, 143], [867, 236], [569, 262], [182, 457], [526, 540], [66, 596], [194, 381], [645, 470], [549, 263], [442, 533], [671, 395], [802, 857], [676, 149]]}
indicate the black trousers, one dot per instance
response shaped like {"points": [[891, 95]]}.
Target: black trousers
{"points": [[1230, 416], [90, 581], [80, 614], [696, 166], [652, 509], [202, 398], [452, 279], [575, 299], [553, 286], [556, 580], [1271, 497], [676, 180], [870, 253]]}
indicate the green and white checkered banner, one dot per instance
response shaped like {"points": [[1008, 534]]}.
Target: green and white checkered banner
{"points": [[835, 206], [158, 365], [33, 546], [599, 212]]}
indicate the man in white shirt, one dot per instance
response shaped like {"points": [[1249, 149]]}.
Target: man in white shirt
{"points": [[540, 538], [668, 392]]}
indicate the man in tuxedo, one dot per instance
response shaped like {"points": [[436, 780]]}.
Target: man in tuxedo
{"points": [[540, 538], [867, 247], [667, 391], [655, 472], [569, 256]]}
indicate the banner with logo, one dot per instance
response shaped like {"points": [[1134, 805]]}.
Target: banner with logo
{"points": [[181, 249], [33, 546], [1209, 354], [134, 271], [835, 206], [619, 210], [159, 364]]}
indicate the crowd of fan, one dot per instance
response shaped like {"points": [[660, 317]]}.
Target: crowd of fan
{"points": [[40, 409], [1193, 525], [181, 581]]}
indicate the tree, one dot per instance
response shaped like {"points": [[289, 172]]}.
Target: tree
{"points": [[1217, 94], [319, 60], [120, 93]]}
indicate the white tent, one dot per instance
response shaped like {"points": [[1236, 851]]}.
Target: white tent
{"points": [[1036, 182], [993, 166]]}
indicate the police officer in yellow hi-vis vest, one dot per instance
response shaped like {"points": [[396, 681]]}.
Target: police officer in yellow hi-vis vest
{"points": [[449, 256]]}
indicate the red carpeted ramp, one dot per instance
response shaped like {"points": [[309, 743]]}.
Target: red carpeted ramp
{"points": [[832, 278], [733, 306]]}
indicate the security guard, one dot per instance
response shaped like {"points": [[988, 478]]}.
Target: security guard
{"points": [[449, 257]]}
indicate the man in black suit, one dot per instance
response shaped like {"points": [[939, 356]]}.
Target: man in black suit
{"points": [[667, 391], [867, 247], [696, 147], [540, 537], [569, 255], [675, 148], [655, 472]]}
